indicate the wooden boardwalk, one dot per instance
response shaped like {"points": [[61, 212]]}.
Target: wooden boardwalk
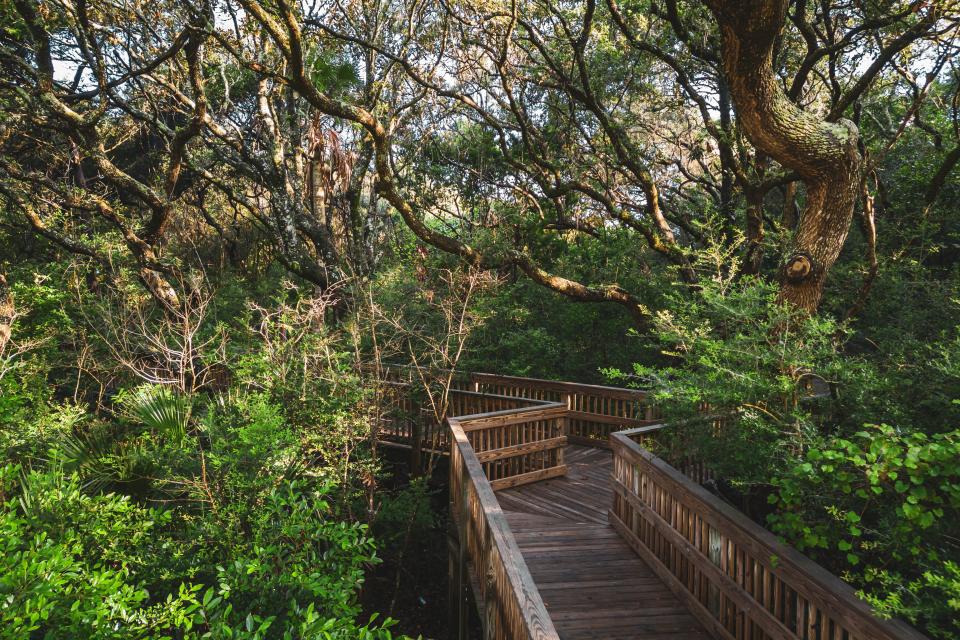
{"points": [[557, 541], [593, 584]]}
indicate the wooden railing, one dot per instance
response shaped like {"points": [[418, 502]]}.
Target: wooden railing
{"points": [[593, 411], [411, 424], [736, 577], [518, 446], [740, 581], [489, 451]]}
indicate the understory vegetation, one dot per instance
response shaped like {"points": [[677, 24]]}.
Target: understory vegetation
{"points": [[228, 500], [219, 219]]}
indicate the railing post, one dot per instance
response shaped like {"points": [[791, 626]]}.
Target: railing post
{"points": [[564, 422], [567, 399], [490, 596]]}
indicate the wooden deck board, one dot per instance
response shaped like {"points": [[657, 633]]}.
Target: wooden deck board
{"points": [[592, 583]]}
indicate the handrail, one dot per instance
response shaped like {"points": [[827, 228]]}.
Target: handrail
{"points": [[736, 576], [541, 406], [483, 394], [558, 386], [507, 595], [554, 385]]}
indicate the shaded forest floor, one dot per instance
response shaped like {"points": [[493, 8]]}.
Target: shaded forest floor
{"points": [[410, 585]]}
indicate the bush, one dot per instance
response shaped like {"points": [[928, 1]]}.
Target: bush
{"points": [[80, 566], [881, 509]]}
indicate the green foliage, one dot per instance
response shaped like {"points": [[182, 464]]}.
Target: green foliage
{"points": [[532, 331], [406, 512], [162, 515], [28, 418], [249, 434], [877, 505], [79, 565], [67, 558], [739, 353], [160, 409], [296, 551], [227, 508], [888, 501], [29, 431]]}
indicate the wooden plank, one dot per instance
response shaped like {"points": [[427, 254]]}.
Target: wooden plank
{"points": [[521, 449], [593, 584], [525, 478], [582, 495], [496, 396]]}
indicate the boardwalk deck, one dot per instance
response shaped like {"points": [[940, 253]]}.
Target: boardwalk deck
{"points": [[593, 584], [559, 541]]}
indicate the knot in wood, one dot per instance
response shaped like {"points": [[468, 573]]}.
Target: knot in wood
{"points": [[798, 267]]}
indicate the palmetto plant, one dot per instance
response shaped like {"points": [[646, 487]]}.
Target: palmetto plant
{"points": [[160, 409], [105, 457], [97, 458]]}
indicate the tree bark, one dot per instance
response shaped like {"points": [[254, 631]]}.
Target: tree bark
{"points": [[754, 257], [790, 214], [824, 154], [943, 172], [6, 313]]}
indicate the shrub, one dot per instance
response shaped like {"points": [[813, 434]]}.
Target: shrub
{"points": [[84, 566], [881, 508]]}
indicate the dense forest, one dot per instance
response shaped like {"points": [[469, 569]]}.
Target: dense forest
{"points": [[218, 218]]}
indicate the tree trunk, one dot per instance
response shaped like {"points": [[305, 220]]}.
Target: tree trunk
{"points": [[754, 257], [940, 178], [824, 154], [6, 313], [790, 214], [160, 288]]}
